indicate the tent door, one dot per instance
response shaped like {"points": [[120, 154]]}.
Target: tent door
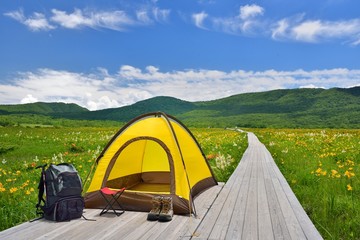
{"points": [[142, 164]]}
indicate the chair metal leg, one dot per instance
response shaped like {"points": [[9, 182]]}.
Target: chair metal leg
{"points": [[110, 203]]}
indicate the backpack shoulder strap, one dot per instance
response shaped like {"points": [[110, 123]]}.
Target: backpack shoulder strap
{"points": [[41, 188]]}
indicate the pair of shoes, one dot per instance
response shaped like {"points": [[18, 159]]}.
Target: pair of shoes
{"points": [[162, 209]]}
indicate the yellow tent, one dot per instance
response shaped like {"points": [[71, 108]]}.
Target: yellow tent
{"points": [[154, 154]]}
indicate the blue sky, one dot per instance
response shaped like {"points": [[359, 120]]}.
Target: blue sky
{"points": [[102, 54]]}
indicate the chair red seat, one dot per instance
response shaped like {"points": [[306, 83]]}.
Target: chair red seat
{"points": [[114, 195], [109, 191]]}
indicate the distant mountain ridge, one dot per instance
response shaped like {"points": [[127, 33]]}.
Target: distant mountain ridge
{"points": [[42, 108], [293, 108]]}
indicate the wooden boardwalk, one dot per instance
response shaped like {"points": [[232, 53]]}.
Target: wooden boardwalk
{"points": [[255, 203]]}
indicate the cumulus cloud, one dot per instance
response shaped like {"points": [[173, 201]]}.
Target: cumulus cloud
{"points": [[130, 84], [28, 99], [118, 20], [249, 11]]}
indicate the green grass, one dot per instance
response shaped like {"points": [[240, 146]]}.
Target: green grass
{"points": [[24, 148], [322, 168]]}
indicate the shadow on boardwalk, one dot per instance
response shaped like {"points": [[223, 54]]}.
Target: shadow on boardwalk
{"points": [[255, 203]]}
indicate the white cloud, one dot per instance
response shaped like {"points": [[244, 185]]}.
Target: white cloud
{"points": [[251, 21], [130, 84], [101, 103], [36, 22], [356, 41], [118, 20], [115, 20], [28, 99], [246, 22], [279, 29], [199, 18], [161, 15], [249, 11], [142, 16], [310, 86], [316, 30]]}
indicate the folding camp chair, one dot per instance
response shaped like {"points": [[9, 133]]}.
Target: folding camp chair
{"points": [[115, 195]]}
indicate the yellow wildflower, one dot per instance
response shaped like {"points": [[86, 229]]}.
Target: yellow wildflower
{"points": [[25, 184], [13, 189], [349, 174], [335, 174], [350, 163], [2, 189], [349, 187]]}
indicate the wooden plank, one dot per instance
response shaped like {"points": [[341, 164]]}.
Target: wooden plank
{"points": [[236, 224], [280, 230], [291, 221], [112, 226], [265, 227], [205, 226], [62, 228], [27, 230], [88, 229], [39, 228], [203, 202], [250, 225], [135, 229], [146, 228], [221, 226]]}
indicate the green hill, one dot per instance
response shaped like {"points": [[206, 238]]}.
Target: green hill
{"points": [[296, 108], [170, 105], [291, 108], [42, 108]]}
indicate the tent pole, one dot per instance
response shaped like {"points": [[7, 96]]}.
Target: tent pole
{"points": [[87, 177], [191, 202]]}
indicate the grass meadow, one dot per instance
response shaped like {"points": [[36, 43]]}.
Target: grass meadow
{"points": [[322, 168], [24, 148]]}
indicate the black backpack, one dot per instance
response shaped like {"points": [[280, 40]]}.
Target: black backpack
{"points": [[62, 186]]}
